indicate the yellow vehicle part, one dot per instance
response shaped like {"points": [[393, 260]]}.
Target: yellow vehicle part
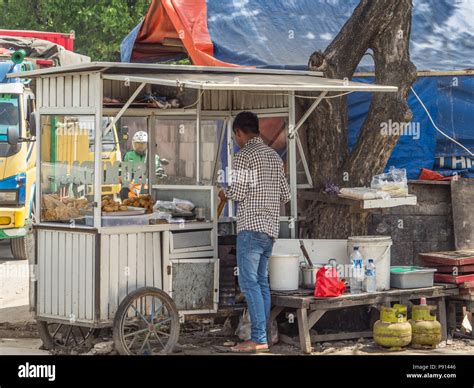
{"points": [[12, 217]]}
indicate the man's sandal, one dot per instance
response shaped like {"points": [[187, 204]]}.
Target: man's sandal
{"points": [[250, 347]]}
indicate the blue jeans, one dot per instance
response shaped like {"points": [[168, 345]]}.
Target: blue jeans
{"points": [[253, 251]]}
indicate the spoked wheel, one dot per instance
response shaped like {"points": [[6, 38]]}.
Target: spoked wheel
{"points": [[146, 323], [61, 336]]}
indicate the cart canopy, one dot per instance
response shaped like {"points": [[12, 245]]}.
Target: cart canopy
{"points": [[215, 78]]}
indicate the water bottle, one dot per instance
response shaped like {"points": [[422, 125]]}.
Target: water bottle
{"points": [[370, 283], [357, 276]]}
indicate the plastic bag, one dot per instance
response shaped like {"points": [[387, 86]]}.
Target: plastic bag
{"points": [[183, 205], [244, 328], [164, 206], [393, 182], [328, 283]]}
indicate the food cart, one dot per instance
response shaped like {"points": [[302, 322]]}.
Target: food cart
{"points": [[142, 273]]}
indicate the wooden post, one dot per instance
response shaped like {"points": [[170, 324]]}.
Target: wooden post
{"points": [[451, 318], [442, 318], [303, 329]]}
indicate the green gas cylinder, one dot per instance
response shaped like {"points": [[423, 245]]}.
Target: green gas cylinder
{"points": [[425, 328], [392, 330]]}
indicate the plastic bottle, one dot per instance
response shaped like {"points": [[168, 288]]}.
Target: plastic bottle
{"points": [[357, 276], [370, 283]]}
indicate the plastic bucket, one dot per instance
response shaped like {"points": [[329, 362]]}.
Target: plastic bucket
{"points": [[378, 249], [284, 272]]}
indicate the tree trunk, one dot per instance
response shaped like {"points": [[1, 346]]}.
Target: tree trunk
{"points": [[384, 27]]}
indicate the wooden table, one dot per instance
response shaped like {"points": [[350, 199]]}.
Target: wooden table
{"points": [[309, 309], [467, 303]]}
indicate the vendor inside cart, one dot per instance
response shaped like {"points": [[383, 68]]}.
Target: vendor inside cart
{"points": [[138, 155]]}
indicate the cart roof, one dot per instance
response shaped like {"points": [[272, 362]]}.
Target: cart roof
{"points": [[213, 78]]}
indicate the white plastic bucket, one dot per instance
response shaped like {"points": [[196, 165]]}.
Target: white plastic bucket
{"points": [[284, 272], [378, 249]]}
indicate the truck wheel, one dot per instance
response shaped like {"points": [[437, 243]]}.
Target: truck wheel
{"points": [[23, 247]]}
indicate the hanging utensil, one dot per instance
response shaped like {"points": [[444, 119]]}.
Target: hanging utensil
{"points": [[305, 253]]}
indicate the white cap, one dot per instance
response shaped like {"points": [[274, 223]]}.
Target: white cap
{"points": [[140, 137]]}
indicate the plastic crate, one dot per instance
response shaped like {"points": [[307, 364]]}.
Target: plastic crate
{"points": [[411, 277]]}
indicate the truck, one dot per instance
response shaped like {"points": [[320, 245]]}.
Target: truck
{"points": [[18, 121]]}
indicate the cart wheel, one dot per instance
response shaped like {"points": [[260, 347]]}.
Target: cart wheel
{"points": [[63, 336], [146, 323]]}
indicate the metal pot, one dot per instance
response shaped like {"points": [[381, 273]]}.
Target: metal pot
{"points": [[309, 276]]}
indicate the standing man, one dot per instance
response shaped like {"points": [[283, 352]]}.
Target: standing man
{"points": [[259, 186]]}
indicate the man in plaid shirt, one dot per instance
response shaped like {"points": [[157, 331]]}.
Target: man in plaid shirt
{"points": [[259, 185]]}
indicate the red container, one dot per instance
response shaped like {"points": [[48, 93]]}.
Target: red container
{"points": [[65, 40]]}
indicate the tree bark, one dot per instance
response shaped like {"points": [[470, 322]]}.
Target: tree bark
{"points": [[383, 26]]}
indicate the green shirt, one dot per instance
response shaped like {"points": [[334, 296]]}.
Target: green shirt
{"points": [[133, 156]]}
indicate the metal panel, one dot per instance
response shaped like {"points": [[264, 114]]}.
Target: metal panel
{"points": [[157, 260], [134, 261], [67, 92], [75, 272], [60, 92], [39, 92], [200, 240], [82, 276], [89, 284], [92, 88], [45, 92], [41, 271], [52, 92], [104, 276], [66, 278], [54, 272], [114, 269], [84, 90], [141, 264], [194, 284], [61, 274], [131, 68], [76, 90], [123, 267], [149, 260]]}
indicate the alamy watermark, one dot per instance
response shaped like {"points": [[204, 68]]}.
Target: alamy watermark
{"points": [[394, 128]]}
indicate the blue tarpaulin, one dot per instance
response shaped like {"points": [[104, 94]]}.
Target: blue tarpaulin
{"points": [[284, 33]]}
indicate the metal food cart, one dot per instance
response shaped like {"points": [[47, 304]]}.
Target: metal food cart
{"points": [[91, 271]]}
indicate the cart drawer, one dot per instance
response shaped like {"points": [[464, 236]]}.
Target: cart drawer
{"points": [[189, 241]]}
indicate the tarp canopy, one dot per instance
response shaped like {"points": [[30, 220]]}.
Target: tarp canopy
{"points": [[284, 33]]}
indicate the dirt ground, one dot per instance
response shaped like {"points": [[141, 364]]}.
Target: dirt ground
{"points": [[18, 333], [204, 337]]}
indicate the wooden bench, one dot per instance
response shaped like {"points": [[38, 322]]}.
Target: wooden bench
{"points": [[309, 309]]}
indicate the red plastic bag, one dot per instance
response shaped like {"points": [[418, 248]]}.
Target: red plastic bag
{"points": [[328, 283], [429, 175]]}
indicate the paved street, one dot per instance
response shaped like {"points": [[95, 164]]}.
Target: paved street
{"points": [[14, 308]]}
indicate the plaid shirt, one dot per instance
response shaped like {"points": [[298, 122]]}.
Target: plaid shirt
{"points": [[259, 185]]}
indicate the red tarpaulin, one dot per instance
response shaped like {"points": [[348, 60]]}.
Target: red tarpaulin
{"points": [[176, 25]]}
